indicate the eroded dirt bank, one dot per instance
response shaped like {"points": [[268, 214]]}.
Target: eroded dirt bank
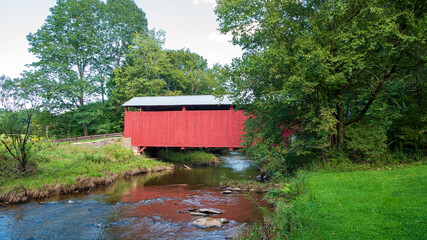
{"points": [[84, 183]]}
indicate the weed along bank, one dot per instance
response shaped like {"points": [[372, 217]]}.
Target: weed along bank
{"points": [[183, 121]]}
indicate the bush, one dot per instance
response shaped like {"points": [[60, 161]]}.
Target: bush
{"points": [[188, 157], [366, 142]]}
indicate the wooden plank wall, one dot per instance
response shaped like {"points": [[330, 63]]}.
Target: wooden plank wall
{"points": [[207, 128]]}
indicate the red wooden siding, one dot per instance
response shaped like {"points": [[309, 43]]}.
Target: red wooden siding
{"points": [[205, 128]]}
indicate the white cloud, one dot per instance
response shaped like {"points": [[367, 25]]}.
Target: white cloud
{"points": [[204, 1], [219, 38]]}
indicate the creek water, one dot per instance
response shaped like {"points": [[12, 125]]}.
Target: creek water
{"points": [[153, 206]]}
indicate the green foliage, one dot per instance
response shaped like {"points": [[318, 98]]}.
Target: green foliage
{"points": [[77, 47], [366, 142], [143, 75], [88, 50], [16, 129], [152, 71], [6, 93], [319, 68], [99, 120], [68, 46], [407, 132], [189, 73], [188, 157], [125, 19]]}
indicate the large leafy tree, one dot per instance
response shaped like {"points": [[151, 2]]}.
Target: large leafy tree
{"points": [[320, 66], [78, 47], [125, 19], [189, 73], [69, 47], [144, 73], [152, 71]]}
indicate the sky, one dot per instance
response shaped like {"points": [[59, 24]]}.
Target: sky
{"points": [[188, 24]]}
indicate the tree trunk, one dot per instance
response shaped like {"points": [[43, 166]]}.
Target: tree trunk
{"points": [[340, 108], [103, 94], [86, 133], [420, 110], [118, 56]]}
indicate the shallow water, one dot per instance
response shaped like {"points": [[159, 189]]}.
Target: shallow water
{"points": [[153, 206]]}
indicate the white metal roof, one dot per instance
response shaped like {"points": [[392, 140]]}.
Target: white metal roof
{"points": [[177, 101]]}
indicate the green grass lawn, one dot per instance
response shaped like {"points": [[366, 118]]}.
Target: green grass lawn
{"points": [[385, 204], [64, 163]]}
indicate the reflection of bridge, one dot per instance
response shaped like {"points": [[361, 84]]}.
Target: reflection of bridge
{"points": [[183, 121]]}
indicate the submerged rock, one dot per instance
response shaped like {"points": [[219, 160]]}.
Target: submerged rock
{"points": [[207, 222], [198, 214], [99, 225], [209, 211], [224, 220], [256, 190]]}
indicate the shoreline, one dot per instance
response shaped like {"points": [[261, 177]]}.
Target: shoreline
{"points": [[83, 183]]}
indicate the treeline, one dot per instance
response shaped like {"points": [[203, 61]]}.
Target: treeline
{"points": [[94, 56], [347, 77]]}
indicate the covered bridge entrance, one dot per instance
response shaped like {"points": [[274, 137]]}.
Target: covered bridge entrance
{"points": [[183, 121]]}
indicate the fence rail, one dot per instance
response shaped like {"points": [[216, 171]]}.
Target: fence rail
{"points": [[91, 137]]}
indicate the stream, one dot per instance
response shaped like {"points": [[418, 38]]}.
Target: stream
{"points": [[151, 206]]}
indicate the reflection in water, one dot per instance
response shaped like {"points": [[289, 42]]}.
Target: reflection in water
{"points": [[153, 206]]}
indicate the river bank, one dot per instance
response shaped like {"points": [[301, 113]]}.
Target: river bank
{"points": [[68, 168], [148, 206]]}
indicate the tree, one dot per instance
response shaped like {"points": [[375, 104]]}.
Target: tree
{"points": [[152, 71], [69, 47], [189, 73], [144, 72], [5, 91], [16, 126], [319, 62], [125, 19], [17, 129]]}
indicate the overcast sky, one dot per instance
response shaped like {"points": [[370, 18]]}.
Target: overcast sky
{"points": [[187, 23]]}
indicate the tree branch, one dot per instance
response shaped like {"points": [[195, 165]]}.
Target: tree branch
{"points": [[372, 98]]}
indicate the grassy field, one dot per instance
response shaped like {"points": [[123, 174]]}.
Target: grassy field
{"points": [[63, 167], [190, 158], [390, 204], [385, 204]]}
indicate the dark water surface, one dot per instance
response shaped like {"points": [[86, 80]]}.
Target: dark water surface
{"points": [[153, 206]]}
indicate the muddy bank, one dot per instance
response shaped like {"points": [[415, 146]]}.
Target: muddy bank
{"points": [[84, 183]]}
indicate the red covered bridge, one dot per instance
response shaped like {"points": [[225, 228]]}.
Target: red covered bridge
{"points": [[183, 121]]}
